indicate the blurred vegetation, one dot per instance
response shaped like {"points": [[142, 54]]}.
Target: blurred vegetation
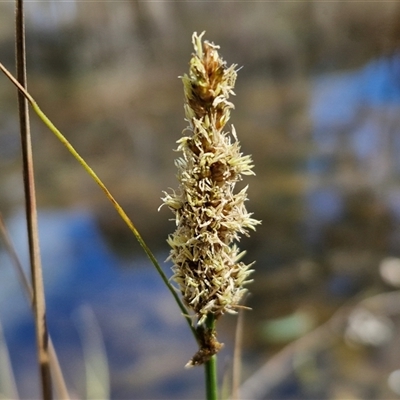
{"points": [[106, 74]]}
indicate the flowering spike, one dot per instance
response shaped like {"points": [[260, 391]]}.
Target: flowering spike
{"points": [[209, 215]]}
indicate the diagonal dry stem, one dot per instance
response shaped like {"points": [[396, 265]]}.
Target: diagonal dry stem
{"points": [[59, 382]]}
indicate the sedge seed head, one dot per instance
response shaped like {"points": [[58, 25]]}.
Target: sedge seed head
{"points": [[210, 217]]}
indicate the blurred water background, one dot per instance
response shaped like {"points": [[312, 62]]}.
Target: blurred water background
{"points": [[317, 105]]}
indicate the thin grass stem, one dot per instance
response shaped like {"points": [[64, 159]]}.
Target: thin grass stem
{"points": [[114, 202], [31, 212], [237, 356], [7, 378], [59, 381]]}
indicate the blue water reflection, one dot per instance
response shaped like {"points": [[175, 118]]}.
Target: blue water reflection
{"points": [[146, 339], [356, 137]]}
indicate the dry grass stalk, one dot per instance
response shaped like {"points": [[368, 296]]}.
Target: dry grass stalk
{"points": [[31, 213]]}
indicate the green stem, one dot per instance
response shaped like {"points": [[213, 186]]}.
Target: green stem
{"points": [[114, 202], [211, 366]]}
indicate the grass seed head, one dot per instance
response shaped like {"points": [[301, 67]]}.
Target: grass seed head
{"points": [[210, 217]]}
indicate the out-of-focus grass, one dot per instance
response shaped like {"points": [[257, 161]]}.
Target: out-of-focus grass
{"points": [[8, 388]]}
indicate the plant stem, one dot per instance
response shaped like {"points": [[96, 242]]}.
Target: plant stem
{"points": [[211, 366], [59, 381], [118, 208], [237, 355], [114, 202], [31, 212]]}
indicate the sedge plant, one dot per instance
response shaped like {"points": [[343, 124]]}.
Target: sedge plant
{"points": [[210, 217]]}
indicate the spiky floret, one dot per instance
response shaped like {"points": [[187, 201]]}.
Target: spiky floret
{"points": [[209, 216]]}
